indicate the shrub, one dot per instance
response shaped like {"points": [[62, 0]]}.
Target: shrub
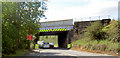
{"points": [[112, 31], [98, 37], [94, 31]]}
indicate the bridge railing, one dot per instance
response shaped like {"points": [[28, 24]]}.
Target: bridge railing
{"points": [[92, 18]]}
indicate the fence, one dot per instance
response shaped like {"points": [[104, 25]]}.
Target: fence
{"points": [[92, 18]]}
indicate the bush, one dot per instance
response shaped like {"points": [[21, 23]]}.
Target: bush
{"points": [[98, 37], [94, 31], [82, 41], [112, 31]]}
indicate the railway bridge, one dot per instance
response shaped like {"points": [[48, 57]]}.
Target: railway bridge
{"points": [[67, 30]]}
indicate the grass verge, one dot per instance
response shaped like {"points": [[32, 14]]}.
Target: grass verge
{"points": [[94, 45], [19, 53]]}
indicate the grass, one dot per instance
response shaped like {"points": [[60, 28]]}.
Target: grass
{"points": [[81, 42], [108, 44], [0, 54], [19, 53], [50, 39]]}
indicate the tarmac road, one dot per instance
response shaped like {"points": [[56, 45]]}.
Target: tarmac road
{"points": [[61, 52]]}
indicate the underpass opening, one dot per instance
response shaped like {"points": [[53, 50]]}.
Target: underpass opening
{"points": [[61, 28], [50, 38], [62, 37]]}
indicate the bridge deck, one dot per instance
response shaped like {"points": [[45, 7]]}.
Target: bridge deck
{"points": [[63, 25]]}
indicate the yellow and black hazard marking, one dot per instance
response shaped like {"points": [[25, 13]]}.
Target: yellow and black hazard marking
{"points": [[48, 30]]}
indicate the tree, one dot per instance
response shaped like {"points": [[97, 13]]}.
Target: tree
{"points": [[18, 20], [94, 31], [112, 31]]}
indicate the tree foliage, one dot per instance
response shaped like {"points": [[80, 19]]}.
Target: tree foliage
{"points": [[112, 31], [94, 31], [99, 32], [18, 20]]}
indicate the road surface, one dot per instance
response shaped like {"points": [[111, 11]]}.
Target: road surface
{"points": [[61, 52]]}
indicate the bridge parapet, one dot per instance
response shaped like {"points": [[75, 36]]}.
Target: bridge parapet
{"points": [[62, 25]]}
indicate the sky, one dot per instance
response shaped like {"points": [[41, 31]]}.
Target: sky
{"points": [[76, 9]]}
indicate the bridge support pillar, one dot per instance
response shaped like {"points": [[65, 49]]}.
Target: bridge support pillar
{"points": [[64, 38]]}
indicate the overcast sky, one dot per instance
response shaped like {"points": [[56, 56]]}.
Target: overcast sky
{"points": [[71, 9]]}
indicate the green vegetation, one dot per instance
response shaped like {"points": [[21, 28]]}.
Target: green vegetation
{"points": [[18, 20], [112, 31], [98, 37], [19, 53], [94, 31], [83, 41], [31, 45], [50, 39], [103, 45]]}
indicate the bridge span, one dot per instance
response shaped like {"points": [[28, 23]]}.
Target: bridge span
{"points": [[66, 30]]}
